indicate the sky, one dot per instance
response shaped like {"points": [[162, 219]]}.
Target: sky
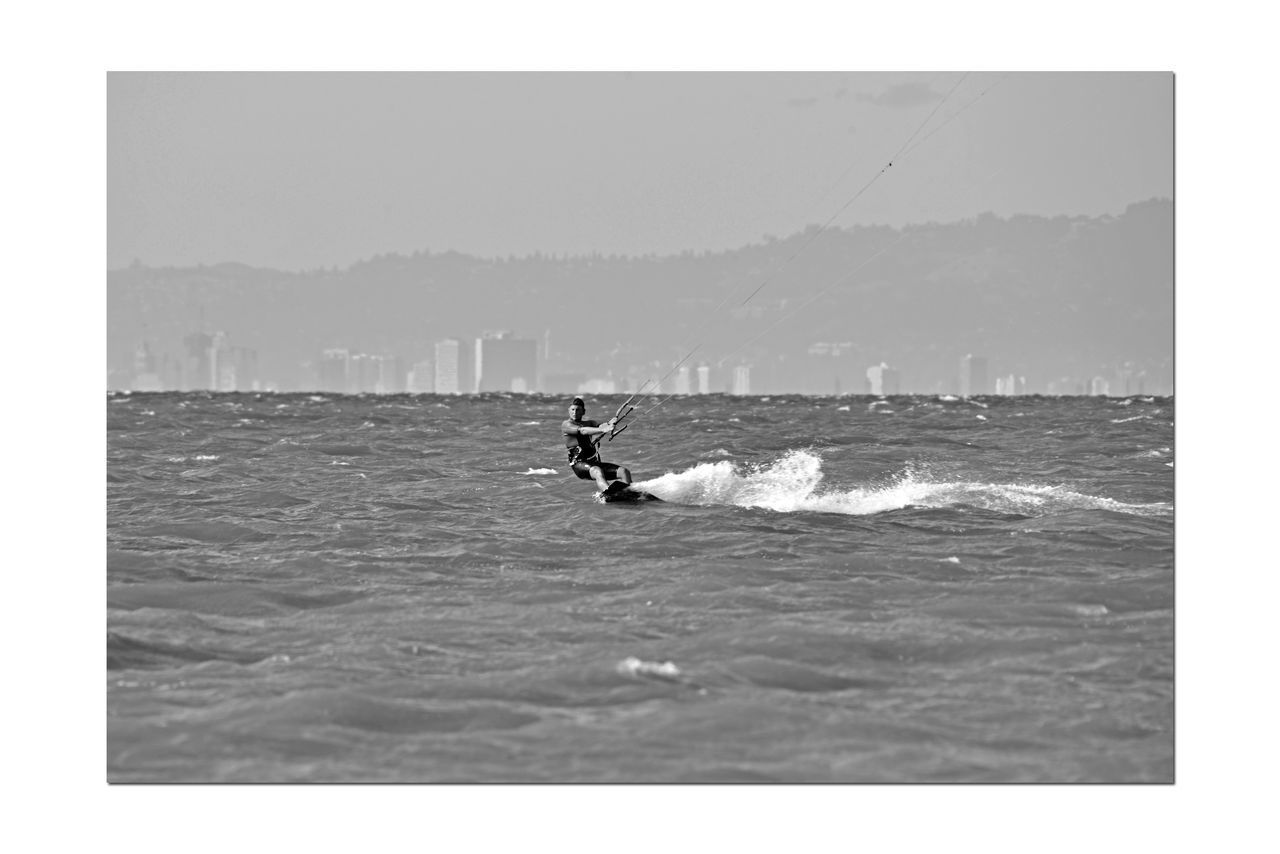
{"points": [[303, 170]]}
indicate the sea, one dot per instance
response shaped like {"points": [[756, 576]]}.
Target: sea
{"points": [[324, 588]]}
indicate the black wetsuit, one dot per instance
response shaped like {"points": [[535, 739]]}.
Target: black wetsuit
{"points": [[583, 453]]}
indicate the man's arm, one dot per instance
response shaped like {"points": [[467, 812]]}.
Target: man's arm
{"points": [[591, 428]]}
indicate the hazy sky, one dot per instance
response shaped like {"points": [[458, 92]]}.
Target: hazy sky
{"points": [[304, 170]]}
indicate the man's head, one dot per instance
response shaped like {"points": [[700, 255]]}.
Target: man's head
{"points": [[577, 409]]}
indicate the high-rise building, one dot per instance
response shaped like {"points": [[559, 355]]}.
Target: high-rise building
{"points": [[364, 373], [335, 367], [145, 377], [391, 375], [890, 380], [421, 378], [682, 380], [1011, 385], [238, 369], [875, 379], [742, 379], [883, 380], [195, 365], [704, 379], [222, 372], [453, 368], [504, 363], [973, 375]]}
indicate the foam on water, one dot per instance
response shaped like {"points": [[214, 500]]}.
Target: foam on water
{"points": [[632, 666], [791, 485]]}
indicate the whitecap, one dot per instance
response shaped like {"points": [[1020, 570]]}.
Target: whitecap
{"points": [[632, 666], [982, 417], [842, 409], [540, 471], [529, 423]]}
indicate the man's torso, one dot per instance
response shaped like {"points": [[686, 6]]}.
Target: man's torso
{"points": [[579, 445]]}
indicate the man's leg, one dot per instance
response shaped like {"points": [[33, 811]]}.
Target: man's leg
{"points": [[598, 474], [615, 472]]}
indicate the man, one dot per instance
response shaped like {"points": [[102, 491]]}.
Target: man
{"points": [[584, 454]]}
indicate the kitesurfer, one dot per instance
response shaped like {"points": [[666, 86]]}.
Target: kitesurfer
{"points": [[584, 451]]}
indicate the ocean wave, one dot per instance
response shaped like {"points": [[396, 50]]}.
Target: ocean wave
{"points": [[632, 666], [791, 484]]}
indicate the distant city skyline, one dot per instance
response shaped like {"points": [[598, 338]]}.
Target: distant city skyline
{"points": [[302, 171], [1042, 305], [211, 363]]}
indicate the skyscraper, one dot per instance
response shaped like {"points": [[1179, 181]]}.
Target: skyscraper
{"points": [[742, 379], [973, 375], [391, 375], [449, 374], [704, 379], [875, 379], [243, 362], [890, 380], [883, 380], [421, 379], [195, 365], [334, 367], [682, 380], [145, 377]]}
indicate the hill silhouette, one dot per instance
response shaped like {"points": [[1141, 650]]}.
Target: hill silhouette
{"points": [[1045, 298]]}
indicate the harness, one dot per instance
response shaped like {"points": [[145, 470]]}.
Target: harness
{"points": [[576, 456]]}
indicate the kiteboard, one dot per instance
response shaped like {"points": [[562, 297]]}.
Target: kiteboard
{"points": [[620, 492]]}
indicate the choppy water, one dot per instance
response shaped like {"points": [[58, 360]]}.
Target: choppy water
{"points": [[415, 588]]}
